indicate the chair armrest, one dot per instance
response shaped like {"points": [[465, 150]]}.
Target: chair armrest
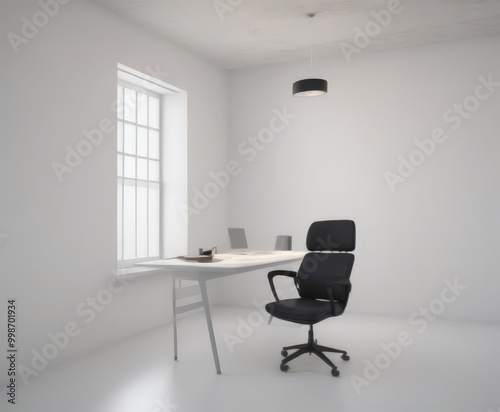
{"points": [[343, 282], [273, 273]]}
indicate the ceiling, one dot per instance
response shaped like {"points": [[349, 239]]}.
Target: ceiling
{"points": [[237, 34]]}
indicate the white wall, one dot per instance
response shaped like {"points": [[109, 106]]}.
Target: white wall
{"points": [[443, 222], [61, 244]]}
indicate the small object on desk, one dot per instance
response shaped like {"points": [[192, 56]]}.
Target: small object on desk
{"points": [[208, 252]]}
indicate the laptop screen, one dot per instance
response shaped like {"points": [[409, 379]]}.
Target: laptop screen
{"points": [[237, 238]]}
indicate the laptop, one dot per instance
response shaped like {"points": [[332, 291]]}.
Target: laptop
{"points": [[238, 243]]}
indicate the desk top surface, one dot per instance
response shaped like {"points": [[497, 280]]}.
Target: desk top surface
{"points": [[226, 262]]}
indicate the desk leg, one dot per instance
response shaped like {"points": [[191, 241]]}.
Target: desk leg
{"points": [[206, 305], [174, 281]]}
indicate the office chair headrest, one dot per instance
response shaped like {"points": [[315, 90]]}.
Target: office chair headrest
{"points": [[332, 235]]}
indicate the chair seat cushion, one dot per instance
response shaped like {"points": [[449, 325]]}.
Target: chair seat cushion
{"points": [[304, 310]]}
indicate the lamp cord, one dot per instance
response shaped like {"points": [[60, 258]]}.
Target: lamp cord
{"points": [[310, 15]]}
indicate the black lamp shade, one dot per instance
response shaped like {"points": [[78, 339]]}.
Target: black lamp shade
{"points": [[310, 87]]}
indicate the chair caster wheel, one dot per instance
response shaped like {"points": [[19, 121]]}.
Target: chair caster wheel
{"points": [[284, 353], [345, 357], [284, 368], [335, 372]]}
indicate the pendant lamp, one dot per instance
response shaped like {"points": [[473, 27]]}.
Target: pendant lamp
{"points": [[310, 87]]}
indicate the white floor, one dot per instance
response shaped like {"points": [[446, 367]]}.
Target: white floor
{"points": [[448, 367]]}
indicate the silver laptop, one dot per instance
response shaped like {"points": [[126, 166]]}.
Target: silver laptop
{"points": [[238, 243]]}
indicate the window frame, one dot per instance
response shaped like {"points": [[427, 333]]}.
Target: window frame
{"points": [[120, 180]]}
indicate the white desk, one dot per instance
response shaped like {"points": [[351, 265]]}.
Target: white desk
{"points": [[223, 265]]}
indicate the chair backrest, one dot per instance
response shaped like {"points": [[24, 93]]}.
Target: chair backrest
{"points": [[323, 265], [332, 235]]}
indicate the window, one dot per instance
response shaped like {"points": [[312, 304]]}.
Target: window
{"points": [[152, 168], [139, 173]]}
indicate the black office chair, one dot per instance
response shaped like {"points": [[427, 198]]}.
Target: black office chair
{"points": [[323, 284]]}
